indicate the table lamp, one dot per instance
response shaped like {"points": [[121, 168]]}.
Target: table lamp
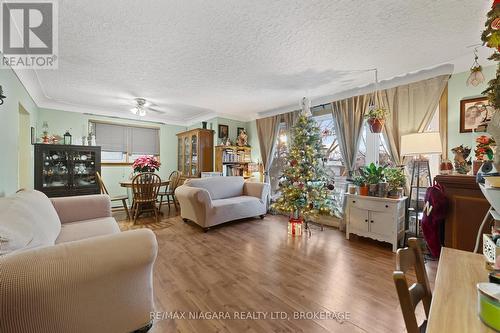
{"points": [[418, 144]]}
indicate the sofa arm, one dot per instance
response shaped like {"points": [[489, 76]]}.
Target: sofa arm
{"points": [[85, 207], [100, 284], [195, 203], [258, 190]]}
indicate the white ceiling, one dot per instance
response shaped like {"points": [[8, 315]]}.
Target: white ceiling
{"points": [[195, 59]]}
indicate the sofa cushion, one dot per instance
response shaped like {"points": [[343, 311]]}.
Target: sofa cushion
{"points": [[27, 220], [236, 208], [219, 187], [73, 231]]}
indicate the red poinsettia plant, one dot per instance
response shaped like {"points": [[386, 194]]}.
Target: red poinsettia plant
{"points": [[146, 164], [484, 149]]}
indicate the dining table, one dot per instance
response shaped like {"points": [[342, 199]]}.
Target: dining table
{"points": [[128, 185], [454, 306]]}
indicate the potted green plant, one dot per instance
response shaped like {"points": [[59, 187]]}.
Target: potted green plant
{"points": [[396, 180], [360, 182], [376, 119], [373, 175]]}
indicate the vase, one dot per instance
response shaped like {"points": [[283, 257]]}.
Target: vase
{"points": [[363, 190], [373, 190], [382, 189], [295, 226], [446, 167], [476, 165], [376, 125]]}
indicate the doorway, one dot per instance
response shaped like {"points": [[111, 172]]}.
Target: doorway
{"points": [[24, 149]]}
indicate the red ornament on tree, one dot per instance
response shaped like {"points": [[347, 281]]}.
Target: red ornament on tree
{"points": [[495, 25], [293, 162], [495, 2]]}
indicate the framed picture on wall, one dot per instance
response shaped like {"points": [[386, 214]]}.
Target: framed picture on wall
{"points": [[33, 135], [223, 131], [239, 130], [474, 114]]}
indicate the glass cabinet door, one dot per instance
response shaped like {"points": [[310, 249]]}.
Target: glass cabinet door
{"points": [[55, 169], [179, 155], [187, 152], [194, 155], [83, 168]]}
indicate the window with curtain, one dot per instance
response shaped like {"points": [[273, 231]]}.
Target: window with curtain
{"points": [[280, 154], [124, 143], [372, 148]]}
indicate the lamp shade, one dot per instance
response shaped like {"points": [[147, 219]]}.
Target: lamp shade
{"points": [[421, 143]]}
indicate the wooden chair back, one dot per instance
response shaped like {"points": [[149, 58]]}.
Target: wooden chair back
{"points": [[409, 297], [100, 182], [145, 187], [174, 178]]}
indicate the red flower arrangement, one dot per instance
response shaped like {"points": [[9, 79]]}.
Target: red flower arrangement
{"points": [[483, 149], [146, 164]]}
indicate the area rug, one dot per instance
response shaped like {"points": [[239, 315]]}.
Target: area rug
{"points": [[145, 223]]}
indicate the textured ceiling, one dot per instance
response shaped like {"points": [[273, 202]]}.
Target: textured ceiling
{"points": [[195, 59]]}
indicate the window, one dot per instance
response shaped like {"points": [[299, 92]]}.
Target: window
{"points": [[372, 149], [124, 143], [333, 159]]}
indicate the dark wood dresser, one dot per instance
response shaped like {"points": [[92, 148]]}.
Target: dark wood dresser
{"points": [[467, 208]]}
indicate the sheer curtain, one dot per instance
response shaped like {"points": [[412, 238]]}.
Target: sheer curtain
{"points": [[286, 122], [348, 118], [267, 131]]}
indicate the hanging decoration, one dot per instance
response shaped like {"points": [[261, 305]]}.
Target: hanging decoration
{"points": [[376, 114], [491, 38], [476, 76], [303, 185]]}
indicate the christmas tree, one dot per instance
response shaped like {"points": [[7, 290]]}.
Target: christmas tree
{"points": [[303, 185]]}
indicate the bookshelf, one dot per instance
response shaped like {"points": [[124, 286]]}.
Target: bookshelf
{"points": [[233, 160]]}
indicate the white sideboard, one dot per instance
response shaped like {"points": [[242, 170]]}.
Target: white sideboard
{"points": [[382, 219]]}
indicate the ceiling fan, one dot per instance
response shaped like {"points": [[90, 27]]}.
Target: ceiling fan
{"points": [[142, 107]]}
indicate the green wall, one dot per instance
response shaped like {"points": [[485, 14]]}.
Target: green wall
{"points": [[458, 90], [76, 123], [9, 129]]}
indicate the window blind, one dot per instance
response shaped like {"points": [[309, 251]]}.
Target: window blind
{"points": [[127, 139], [144, 141], [111, 137]]}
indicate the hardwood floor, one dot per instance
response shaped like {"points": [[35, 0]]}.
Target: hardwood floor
{"points": [[253, 266]]}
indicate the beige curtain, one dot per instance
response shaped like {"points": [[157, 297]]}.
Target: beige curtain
{"points": [[348, 123], [286, 122], [267, 130], [411, 107]]}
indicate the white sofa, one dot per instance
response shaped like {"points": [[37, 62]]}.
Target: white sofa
{"points": [[212, 201], [66, 267]]}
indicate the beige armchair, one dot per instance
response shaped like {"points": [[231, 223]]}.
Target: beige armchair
{"points": [[91, 278], [212, 201]]}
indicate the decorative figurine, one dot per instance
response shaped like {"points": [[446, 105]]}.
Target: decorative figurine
{"points": [[462, 165], [242, 139]]}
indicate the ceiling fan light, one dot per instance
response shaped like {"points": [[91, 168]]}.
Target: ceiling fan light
{"points": [[142, 112], [134, 110]]}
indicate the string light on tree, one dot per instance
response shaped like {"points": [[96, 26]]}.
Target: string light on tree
{"points": [[303, 183]]}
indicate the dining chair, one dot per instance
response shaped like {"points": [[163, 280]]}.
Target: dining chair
{"points": [[145, 187], [104, 190], [174, 181], [409, 297]]}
